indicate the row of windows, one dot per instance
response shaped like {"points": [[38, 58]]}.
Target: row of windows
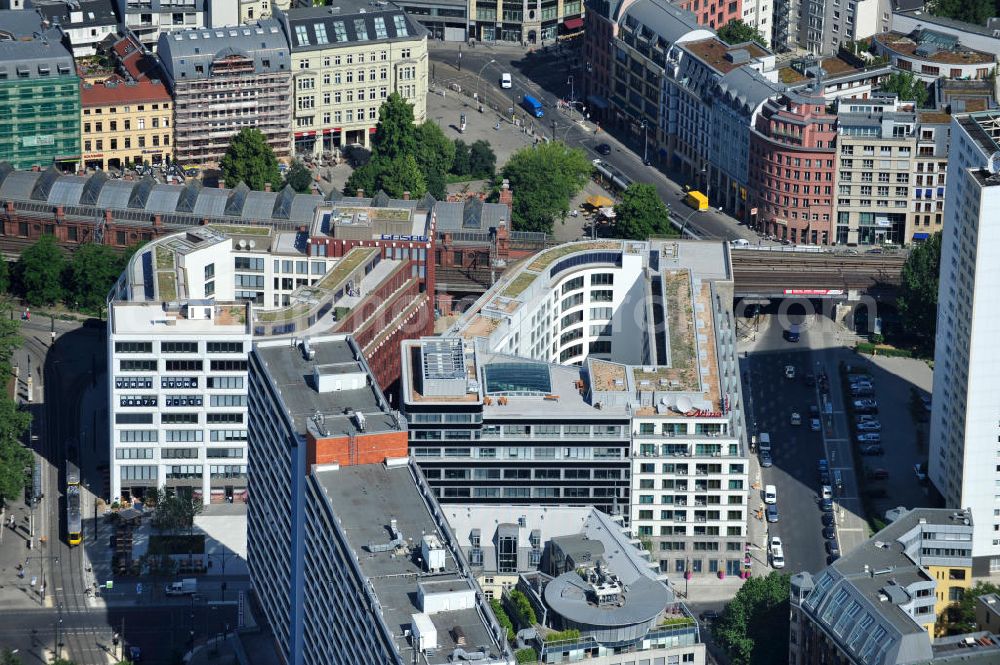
{"points": [[494, 473], [183, 366]]}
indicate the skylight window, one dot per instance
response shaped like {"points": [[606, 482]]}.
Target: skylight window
{"points": [[320, 30], [380, 28], [302, 34], [361, 28], [400, 22]]}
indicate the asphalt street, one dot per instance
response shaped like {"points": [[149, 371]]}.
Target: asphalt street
{"points": [[547, 75]]}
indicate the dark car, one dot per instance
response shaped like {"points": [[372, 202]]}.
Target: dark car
{"points": [[823, 465], [829, 519], [830, 533], [603, 149], [879, 474], [772, 513], [810, 379], [824, 477], [135, 654], [832, 548], [765, 458], [826, 505], [873, 449], [832, 558], [708, 616]]}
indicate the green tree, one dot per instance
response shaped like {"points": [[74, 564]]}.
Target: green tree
{"points": [[394, 135], [91, 274], [174, 513], [970, 11], [299, 177], [482, 160], [502, 618], [8, 657], [918, 291], [523, 612], [40, 271], [435, 155], [907, 86], [641, 214], [4, 276], [249, 159], [400, 175], [960, 617], [544, 178], [753, 629], [460, 164], [738, 32], [362, 177]]}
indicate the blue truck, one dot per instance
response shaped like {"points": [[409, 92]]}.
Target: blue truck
{"points": [[532, 106]]}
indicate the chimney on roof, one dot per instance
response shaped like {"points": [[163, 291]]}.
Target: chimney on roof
{"points": [[360, 193], [222, 183], [506, 196], [267, 186], [406, 196], [157, 221]]}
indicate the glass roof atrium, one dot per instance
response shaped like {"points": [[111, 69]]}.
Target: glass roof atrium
{"points": [[517, 378]]}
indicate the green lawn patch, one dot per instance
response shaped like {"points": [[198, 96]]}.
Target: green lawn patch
{"points": [[166, 283], [520, 283], [164, 258]]}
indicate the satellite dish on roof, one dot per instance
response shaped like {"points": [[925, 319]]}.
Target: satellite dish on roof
{"points": [[253, 244], [684, 404]]}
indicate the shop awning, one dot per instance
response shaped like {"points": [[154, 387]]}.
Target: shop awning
{"points": [[597, 201], [921, 236], [573, 23]]}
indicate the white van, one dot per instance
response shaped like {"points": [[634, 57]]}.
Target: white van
{"points": [[770, 494], [505, 81], [826, 492], [739, 242]]}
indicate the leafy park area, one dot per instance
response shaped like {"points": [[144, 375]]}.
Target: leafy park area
{"points": [[753, 629]]}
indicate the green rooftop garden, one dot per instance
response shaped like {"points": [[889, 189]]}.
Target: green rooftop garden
{"points": [[520, 283], [549, 256], [234, 229], [347, 265], [164, 258], [680, 319], [166, 285], [388, 214], [284, 314]]}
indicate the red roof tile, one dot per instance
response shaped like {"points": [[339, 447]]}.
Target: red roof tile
{"points": [[104, 95]]}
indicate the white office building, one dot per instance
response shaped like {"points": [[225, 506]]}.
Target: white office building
{"points": [[964, 462], [179, 329], [494, 419]]}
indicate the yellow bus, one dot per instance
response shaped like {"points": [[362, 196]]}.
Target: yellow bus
{"points": [[696, 200]]}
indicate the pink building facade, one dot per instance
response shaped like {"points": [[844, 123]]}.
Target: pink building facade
{"points": [[714, 13], [792, 169]]}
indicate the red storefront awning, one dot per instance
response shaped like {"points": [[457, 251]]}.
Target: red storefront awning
{"points": [[573, 23]]}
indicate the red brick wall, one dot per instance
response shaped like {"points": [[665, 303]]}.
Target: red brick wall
{"points": [[369, 448]]}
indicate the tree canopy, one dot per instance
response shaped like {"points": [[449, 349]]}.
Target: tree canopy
{"points": [[960, 617], [907, 86], [482, 160], [918, 291], [738, 32], [249, 159], [40, 272], [970, 11], [14, 457], [753, 629], [174, 512], [405, 157], [544, 178], [299, 177], [90, 274], [641, 214]]}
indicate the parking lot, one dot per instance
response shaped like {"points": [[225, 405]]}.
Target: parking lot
{"points": [[797, 449]]}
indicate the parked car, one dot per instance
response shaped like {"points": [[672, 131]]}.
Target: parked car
{"points": [[865, 418], [826, 505], [603, 149], [869, 437], [829, 519], [796, 419], [770, 494], [774, 542], [813, 411], [789, 371], [870, 426], [826, 492], [772, 513], [814, 424], [873, 449], [765, 458], [861, 392], [824, 477], [865, 406], [708, 616], [921, 471], [135, 654], [832, 548], [830, 533], [879, 474]]}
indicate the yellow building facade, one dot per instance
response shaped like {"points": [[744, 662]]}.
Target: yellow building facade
{"points": [[125, 123]]}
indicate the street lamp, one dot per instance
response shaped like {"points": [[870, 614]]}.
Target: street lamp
{"points": [[572, 92], [645, 144], [479, 77], [687, 218]]}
